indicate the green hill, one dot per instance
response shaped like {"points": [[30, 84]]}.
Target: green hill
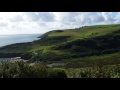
{"points": [[73, 45]]}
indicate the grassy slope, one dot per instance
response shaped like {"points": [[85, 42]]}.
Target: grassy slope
{"points": [[74, 34], [108, 59], [86, 32]]}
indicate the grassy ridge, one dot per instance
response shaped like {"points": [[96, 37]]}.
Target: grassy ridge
{"points": [[74, 34], [73, 45]]}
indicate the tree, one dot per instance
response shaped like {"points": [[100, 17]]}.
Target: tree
{"points": [[37, 55]]}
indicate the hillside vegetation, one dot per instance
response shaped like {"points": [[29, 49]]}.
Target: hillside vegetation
{"points": [[83, 45]]}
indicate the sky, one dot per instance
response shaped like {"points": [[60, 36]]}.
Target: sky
{"points": [[42, 22]]}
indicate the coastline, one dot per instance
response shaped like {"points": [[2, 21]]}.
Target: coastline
{"points": [[7, 40]]}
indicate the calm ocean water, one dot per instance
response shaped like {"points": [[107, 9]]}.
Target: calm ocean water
{"points": [[12, 39]]}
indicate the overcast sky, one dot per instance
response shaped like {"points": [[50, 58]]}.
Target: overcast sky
{"points": [[41, 22]]}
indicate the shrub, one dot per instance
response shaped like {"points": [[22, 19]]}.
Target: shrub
{"points": [[22, 70], [59, 31], [56, 74], [26, 56], [85, 73]]}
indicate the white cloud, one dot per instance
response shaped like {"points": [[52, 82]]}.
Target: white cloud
{"points": [[41, 22], [3, 25], [17, 18], [38, 16]]}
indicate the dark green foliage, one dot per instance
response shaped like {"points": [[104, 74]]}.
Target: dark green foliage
{"points": [[8, 69], [59, 31], [57, 74], [26, 71], [22, 70], [74, 65], [85, 73], [99, 71], [19, 47], [76, 49], [14, 50], [9, 55], [51, 40], [37, 55], [26, 56], [51, 56], [44, 35]]}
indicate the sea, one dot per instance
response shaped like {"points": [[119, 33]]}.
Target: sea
{"points": [[18, 38]]}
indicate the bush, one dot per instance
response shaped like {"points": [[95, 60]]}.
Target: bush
{"points": [[26, 56], [85, 73], [56, 74], [52, 56], [59, 31], [22, 70]]}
